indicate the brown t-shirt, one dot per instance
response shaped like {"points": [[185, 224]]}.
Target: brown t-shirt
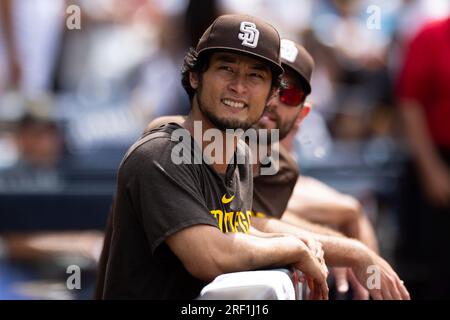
{"points": [[270, 198], [271, 193], [157, 197]]}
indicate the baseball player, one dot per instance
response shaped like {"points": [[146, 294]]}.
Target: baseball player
{"points": [[176, 226]]}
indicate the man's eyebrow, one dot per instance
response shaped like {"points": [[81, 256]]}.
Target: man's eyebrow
{"points": [[231, 59], [226, 58], [260, 66]]}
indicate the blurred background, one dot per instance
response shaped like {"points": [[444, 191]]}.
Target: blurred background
{"points": [[80, 80]]}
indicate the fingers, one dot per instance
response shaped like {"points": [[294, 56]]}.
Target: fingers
{"points": [[312, 290], [397, 288], [380, 279], [318, 290], [391, 287], [395, 292], [316, 276], [315, 247], [320, 257], [340, 277], [376, 294], [324, 290], [386, 291], [391, 291], [359, 292], [403, 291], [323, 265]]}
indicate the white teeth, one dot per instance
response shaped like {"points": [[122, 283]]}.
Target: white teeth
{"points": [[233, 104]]}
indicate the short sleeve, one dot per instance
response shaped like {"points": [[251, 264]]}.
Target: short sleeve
{"points": [[166, 196], [415, 77]]}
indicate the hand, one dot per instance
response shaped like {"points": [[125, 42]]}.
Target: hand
{"points": [[359, 292], [345, 278], [316, 248], [315, 274], [373, 267], [340, 277]]}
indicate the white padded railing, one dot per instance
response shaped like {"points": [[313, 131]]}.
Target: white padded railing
{"points": [[274, 284]]}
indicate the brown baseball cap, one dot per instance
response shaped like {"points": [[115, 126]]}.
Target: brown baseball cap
{"points": [[244, 34], [295, 57]]}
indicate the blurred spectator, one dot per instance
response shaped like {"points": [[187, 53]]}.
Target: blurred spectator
{"points": [[424, 96], [9, 78], [39, 141], [32, 35], [38, 148], [289, 16], [158, 91]]}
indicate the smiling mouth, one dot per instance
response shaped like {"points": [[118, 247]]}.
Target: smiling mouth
{"points": [[270, 116], [234, 104]]}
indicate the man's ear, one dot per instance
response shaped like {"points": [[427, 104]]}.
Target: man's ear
{"points": [[273, 93], [303, 112], [193, 79]]}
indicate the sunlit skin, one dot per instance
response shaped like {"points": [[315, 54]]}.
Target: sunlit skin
{"points": [[231, 79], [281, 116]]}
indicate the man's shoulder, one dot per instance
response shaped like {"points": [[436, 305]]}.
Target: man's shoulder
{"points": [[287, 159], [285, 165], [155, 144]]}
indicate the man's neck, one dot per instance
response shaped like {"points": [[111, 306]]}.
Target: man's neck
{"points": [[197, 124]]}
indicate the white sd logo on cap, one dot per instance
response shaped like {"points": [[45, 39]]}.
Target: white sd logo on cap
{"points": [[249, 34], [288, 50]]}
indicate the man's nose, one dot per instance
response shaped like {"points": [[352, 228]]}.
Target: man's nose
{"points": [[272, 104], [238, 84]]}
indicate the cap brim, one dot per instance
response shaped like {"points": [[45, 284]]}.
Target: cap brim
{"points": [[276, 68], [301, 76]]}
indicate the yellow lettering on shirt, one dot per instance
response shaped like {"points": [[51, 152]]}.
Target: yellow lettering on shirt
{"points": [[218, 214], [232, 221]]}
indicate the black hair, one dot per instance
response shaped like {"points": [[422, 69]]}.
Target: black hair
{"points": [[193, 63]]}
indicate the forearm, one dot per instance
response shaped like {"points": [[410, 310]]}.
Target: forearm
{"points": [[362, 230], [342, 252], [206, 252], [318, 203], [262, 234], [262, 252], [339, 251], [295, 220]]}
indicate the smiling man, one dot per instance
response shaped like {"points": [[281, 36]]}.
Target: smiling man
{"points": [[178, 226]]}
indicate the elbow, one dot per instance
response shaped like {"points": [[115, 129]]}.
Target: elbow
{"points": [[204, 273], [207, 268], [351, 211]]}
